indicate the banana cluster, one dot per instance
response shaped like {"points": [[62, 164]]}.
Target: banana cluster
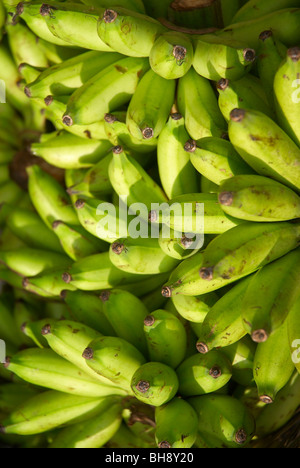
{"points": [[149, 115]]}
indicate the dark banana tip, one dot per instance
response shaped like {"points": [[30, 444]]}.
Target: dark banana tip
{"points": [[88, 354], [79, 204], [104, 296], [25, 283], [66, 277], [45, 10], [27, 92], [48, 100], [179, 52], [23, 327], [148, 133], [110, 118], [20, 8], [6, 363], [149, 321], [186, 242], [241, 436], [206, 273], [110, 16], [63, 294], [21, 66], [166, 291], [117, 149], [117, 248], [56, 223], [226, 198], [222, 84], [164, 444], [249, 55], [215, 372], [266, 35], [152, 216], [294, 54], [176, 116], [266, 399], [46, 330], [143, 386], [67, 120], [202, 348], [259, 336], [190, 146], [237, 115]]}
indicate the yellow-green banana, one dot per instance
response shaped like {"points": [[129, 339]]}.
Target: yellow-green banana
{"points": [[255, 9], [241, 356], [154, 383], [194, 308]]}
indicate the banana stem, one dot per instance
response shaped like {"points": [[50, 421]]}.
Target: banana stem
{"points": [[186, 5], [184, 30], [218, 13]]}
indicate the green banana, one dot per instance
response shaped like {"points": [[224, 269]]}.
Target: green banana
{"points": [[176, 425], [197, 213], [13, 394], [194, 308], [241, 355], [154, 383], [49, 284], [140, 256], [29, 73], [97, 96], [271, 54], [145, 118], [124, 438], [258, 198], [225, 259], [176, 172], [128, 32], [49, 198], [57, 54], [275, 156], [132, 183], [219, 330], [200, 374], [134, 5], [178, 246], [249, 31], [215, 58], [9, 331], [22, 313], [119, 135], [31, 262], [113, 358], [198, 104], [166, 338], [68, 151], [50, 410], [44, 368], [32, 330], [255, 9], [216, 159], [126, 314], [246, 93], [273, 366], [77, 243], [286, 90], [95, 432], [223, 420], [64, 78], [275, 416], [2, 19], [172, 55], [24, 45]]}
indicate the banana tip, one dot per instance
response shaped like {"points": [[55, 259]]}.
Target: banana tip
{"points": [[294, 54], [46, 330], [148, 133], [266, 399], [206, 273], [249, 55], [202, 348], [223, 84], [67, 120], [164, 444], [259, 336], [149, 321], [20, 8], [225, 198], [265, 35], [66, 277], [79, 203], [143, 386], [110, 16], [179, 52], [104, 296], [117, 248], [190, 146], [166, 291], [237, 115], [241, 436], [27, 92], [48, 100], [88, 354], [215, 372], [45, 10]]}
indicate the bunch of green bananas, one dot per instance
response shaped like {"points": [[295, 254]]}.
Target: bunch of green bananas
{"points": [[149, 329]]}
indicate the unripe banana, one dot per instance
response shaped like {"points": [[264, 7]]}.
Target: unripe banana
{"points": [[10, 193], [48, 284], [273, 366], [246, 93], [270, 296], [128, 32], [286, 89], [179, 246], [216, 159], [44, 368], [145, 120], [8, 329], [29, 73], [126, 314], [255, 9], [113, 358], [140, 256], [194, 308], [166, 338], [49, 198], [215, 58], [276, 156], [176, 425], [241, 355], [176, 172], [271, 54], [219, 330], [198, 104], [22, 313], [32, 329], [225, 259], [223, 420], [172, 55], [154, 383], [258, 198], [64, 78], [13, 394], [95, 432], [50, 410], [200, 374], [107, 91], [133, 5]]}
